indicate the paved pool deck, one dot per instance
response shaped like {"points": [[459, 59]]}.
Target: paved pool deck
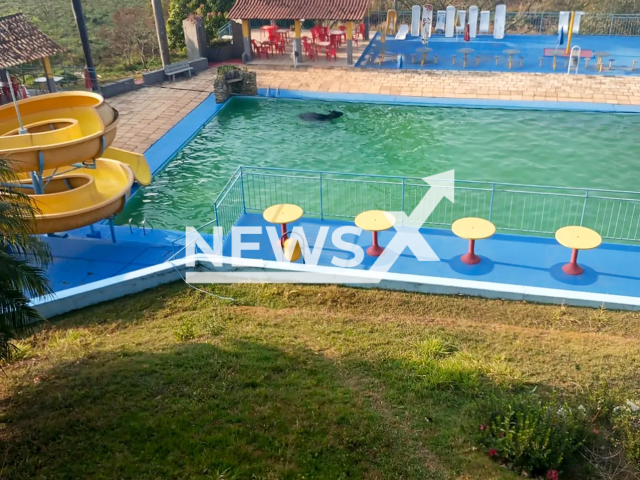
{"points": [[623, 50]]}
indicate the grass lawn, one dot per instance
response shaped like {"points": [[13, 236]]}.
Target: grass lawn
{"points": [[293, 382]]}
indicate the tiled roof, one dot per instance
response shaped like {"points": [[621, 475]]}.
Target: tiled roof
{"points": [[299, 9], [22, 42]]}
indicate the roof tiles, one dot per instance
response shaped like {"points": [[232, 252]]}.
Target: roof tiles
{"points": [[299, 9], [22, 42]]}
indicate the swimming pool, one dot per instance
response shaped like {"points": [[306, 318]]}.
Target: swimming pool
{"points": [[515, 146]]}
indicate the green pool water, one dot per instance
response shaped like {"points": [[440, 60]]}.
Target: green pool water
{"points": [[529, 147]]}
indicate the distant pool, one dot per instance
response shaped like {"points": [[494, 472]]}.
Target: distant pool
{"points": [[516, 146]]}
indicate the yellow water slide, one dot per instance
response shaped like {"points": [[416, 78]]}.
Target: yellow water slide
{"points": [[64, 159]]}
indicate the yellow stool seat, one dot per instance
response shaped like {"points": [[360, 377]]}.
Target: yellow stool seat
{"points": [[375, 221], [282, 213], [472, 229], [577, 238]]}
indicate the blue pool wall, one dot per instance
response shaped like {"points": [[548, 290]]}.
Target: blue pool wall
{"points": [[81, 261]]}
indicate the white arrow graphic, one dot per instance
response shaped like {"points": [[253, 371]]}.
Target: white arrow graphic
{"points": [[442, 185], [408, 228]]}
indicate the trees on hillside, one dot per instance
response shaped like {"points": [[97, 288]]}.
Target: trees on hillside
{"points": [[214, 13], [133, 38]]}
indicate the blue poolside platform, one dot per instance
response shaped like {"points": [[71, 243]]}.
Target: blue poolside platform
{"points": [[506, 259], [611, 273], [623, 50]]}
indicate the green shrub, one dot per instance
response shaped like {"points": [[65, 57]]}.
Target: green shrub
{"points": [[214, 13], [186, 330], [627, 427], [533, 435], [219, 42], [214, 325]]}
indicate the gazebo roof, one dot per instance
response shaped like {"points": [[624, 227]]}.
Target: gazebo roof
{"points": [[22, 42], [299, 9]]}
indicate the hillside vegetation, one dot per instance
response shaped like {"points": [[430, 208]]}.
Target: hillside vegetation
{"points": [[129, 44]]}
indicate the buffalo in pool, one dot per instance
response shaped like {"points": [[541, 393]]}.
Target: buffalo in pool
{"points": [[320, 117]]}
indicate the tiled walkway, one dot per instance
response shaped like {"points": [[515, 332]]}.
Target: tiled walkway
{"points": [[149, 113]]}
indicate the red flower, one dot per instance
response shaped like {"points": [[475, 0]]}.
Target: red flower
{"points": [[595, 430], [493, 452], [552, 475], [482, 427]]}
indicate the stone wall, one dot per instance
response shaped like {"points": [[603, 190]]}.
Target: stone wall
{"points": [[234, 82]]}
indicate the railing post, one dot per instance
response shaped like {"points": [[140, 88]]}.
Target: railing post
{"points": [[403, 182], [493, 192], [244, 206], [215, 212], [584, 207], [611, 25], [321, 209], [541, 22]]}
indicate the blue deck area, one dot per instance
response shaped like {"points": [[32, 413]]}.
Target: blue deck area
{"points": [[622, 49], [79, 260], [511, 259]]}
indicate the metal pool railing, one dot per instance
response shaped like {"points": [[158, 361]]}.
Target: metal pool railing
{"points": [[530, 209], [546, 23]]}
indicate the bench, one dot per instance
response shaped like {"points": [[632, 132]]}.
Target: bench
{"points": [[175, 68]]}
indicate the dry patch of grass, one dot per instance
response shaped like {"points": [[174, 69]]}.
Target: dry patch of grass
{"points": [[293, 382]]}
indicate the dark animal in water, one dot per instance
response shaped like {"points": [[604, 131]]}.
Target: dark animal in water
{"points": [[320, 117]]}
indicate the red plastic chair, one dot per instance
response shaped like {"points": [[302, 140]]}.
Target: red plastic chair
{"points": [[309, 49], [332, 51], [361, 29], [277, 44], [259, 49]]}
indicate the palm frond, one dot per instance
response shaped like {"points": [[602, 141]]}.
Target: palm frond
{"points": [[19, 274], [16, 317]]}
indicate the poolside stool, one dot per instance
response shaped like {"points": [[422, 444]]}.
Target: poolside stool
{"points": [[521, 62], [541, 59], [611, 60], [454, 59], [435, 59], [472, 229], [633, 65], [497, 59], [424, 59], [586, 63], [413, 58], [577, 238], [282, 214], [375, 221], [477, 60]]}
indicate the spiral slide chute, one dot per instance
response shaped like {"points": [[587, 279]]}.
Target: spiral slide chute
{"points": [[65, 161]]}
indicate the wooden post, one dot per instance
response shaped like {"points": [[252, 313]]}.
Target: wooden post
{"points": [[349, 43], [246, 40], [48, 73]]}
